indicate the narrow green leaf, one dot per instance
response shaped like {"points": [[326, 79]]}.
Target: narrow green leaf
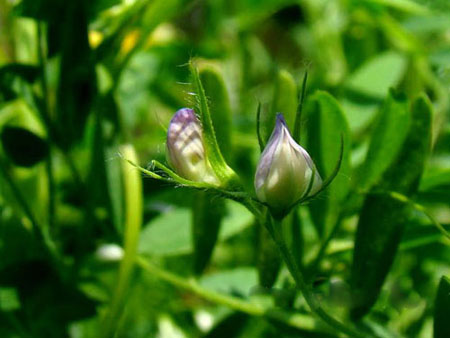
{"points": [[379, 232], [220, 109], [405, 173], [327, 125], [23, 147], [298, 115], [208, 212], [220, 167], [387, 138], [435, 179], [382, 218], [442, 309]]}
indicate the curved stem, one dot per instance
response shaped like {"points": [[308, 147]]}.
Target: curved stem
{"points": [[420, 208], [295, 320], [304, 287]]}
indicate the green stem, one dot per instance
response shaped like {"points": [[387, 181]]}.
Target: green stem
{"points": [[295, 320], [323, 248], [304, 287], [45, 112], [132, 226], [420, 208], [298, 115]]}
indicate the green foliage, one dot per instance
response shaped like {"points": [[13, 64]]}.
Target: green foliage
{"points": [[208, 211], [89, 87], [382, 219], [390, 129], [326, 126], [376, 76]]}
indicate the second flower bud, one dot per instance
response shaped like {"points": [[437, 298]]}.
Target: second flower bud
{"points": [[284, 171]]}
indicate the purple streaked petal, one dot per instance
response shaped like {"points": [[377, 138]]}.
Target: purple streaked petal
{"points": [[269, 151], [185, 149]]}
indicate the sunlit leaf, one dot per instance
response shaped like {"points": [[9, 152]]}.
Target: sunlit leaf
{"points": [[237, 281], [376, 76]]}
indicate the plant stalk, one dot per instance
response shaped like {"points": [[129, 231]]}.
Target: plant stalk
{"points": [[310, 299]]}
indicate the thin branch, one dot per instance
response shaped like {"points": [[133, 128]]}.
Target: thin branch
{"points": [[306, 289], [45, 113], [420, 208], [298, 115], [295, 320]]}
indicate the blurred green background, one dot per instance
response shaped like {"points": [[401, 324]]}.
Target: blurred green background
{"points": [[85, 83]]}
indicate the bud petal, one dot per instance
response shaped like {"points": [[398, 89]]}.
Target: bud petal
{"points": [[284, 170], [185, 150]]}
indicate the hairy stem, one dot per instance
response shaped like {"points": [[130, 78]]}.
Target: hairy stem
{"points": [[304, 287]]}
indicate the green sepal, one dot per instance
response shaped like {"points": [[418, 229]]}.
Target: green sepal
{"points": [[225, 174]]}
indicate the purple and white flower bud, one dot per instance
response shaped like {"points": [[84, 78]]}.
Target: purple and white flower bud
{"points": [[185, 149], [284, 170]]}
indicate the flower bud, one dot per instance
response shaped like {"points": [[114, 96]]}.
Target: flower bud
{"points": [[185, 150], [284, 170]]}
